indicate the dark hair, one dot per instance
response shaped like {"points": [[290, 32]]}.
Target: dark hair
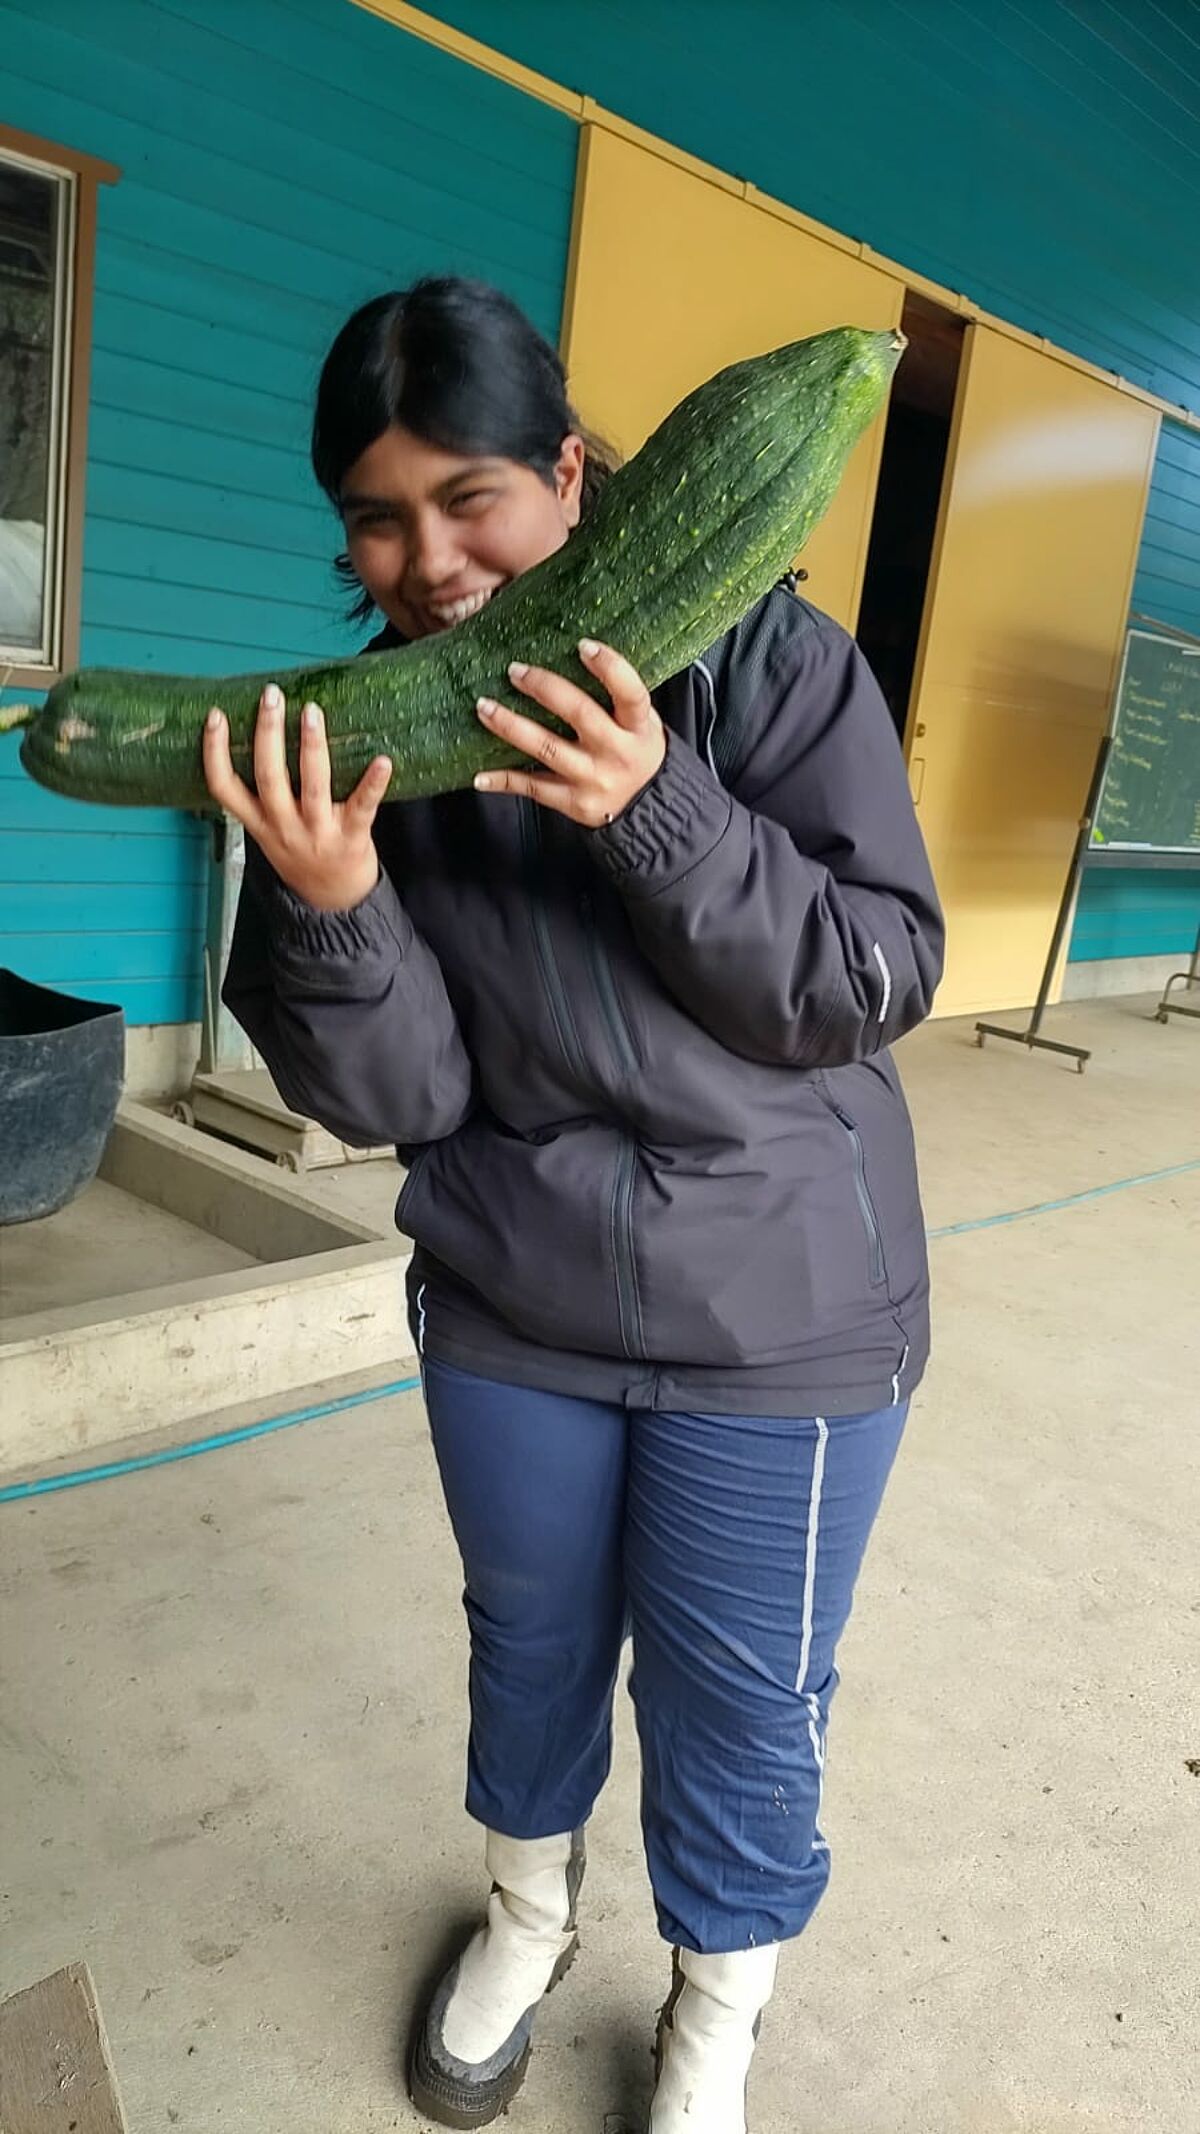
{"points": [[458, 364]]}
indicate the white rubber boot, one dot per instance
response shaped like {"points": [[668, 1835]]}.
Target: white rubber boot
{"points": [[474, 2046], [706, 2040], [509, 1964]]}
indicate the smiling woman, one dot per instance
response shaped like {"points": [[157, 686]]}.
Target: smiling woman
{"points": [[624, 1007], [444, 437]]}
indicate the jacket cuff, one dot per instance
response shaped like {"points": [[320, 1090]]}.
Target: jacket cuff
{"points": [[673, 824], [305, 940]]}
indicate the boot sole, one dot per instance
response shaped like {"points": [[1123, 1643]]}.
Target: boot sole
{"points": [[451, 2104]]}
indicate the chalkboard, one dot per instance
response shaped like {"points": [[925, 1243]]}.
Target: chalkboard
{"points": [[1150, 800]]}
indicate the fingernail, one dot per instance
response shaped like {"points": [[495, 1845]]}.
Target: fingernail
{"points": [[272, 697], [518, 669], [486, 707], [588, 647], [311, 717], [214, 719], [483, 783]]}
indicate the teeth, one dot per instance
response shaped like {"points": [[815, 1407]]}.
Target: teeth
{"points": [[460, 610]]}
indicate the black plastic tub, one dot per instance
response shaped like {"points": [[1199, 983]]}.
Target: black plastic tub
{"points": [[61, 1066]]}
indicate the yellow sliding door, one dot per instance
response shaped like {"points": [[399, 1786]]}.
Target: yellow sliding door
{"points": [[1028, 598], [672, 277]]}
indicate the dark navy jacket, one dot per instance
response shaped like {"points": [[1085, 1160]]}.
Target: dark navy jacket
{"points": [[657, 1149]]}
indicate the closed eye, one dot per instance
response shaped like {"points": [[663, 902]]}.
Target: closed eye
{"points": [[475, 499]]}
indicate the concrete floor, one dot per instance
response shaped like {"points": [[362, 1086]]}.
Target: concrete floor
{"points": [[231, 1734]]}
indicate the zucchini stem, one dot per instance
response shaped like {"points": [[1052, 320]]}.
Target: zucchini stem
{"points": [[14, 715]]}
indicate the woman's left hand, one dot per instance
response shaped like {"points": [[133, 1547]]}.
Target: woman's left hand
{"points": [[613, 755]]}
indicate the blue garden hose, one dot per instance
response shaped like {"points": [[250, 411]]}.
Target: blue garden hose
{"points": [[42, 1488]]}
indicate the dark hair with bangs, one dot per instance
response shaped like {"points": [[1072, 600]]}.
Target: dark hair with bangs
{"points": [[458, 363]]}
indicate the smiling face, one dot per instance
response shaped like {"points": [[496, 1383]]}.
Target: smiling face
{"points": [[433, 534]]}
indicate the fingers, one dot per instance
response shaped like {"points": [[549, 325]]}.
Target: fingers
{"points": [[324, 853], [230, 792], [271, 780], [630, 699], [588, 720], [363, 803], [533, 739], [315, 773], [532, 785], [627, 691], [614, 754]]}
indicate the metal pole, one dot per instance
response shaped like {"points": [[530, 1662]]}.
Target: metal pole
{"points": [[1187, 979], [1030, 1037], [224, 1046]]}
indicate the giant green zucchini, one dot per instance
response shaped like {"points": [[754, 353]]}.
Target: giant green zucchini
{"points": [[680, 544]]}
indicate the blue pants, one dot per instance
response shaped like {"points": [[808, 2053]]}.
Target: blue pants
{"points": [[729, 1545]]}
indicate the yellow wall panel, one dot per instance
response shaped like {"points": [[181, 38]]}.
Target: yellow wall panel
{"points": [[1029, 595], [671, 278]]}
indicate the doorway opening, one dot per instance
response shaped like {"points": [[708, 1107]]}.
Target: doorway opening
{"points": [[912, 468]]}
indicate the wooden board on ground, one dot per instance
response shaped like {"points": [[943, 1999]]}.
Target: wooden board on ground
{"points": [[56, 2076]]}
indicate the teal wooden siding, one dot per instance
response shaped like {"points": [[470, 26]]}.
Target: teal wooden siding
{"points": [[1042, 156], [1167, 585], [1129, 911], [1133, 912], [282, 160]]}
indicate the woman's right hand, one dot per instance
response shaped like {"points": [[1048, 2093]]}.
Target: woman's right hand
{"points": [[321, 847]]}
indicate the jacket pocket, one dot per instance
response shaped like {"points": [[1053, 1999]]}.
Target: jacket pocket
{"points": [[862, 1192], [527, 1225], [412, 1180]]}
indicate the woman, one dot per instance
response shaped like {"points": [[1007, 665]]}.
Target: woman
{"points": [[625, 1014]]}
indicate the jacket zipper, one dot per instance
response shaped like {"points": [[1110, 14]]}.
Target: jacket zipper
{"points": [[629, 1305], [556, 992], [615, 1019], [863, 1194], [629, 1310]]}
